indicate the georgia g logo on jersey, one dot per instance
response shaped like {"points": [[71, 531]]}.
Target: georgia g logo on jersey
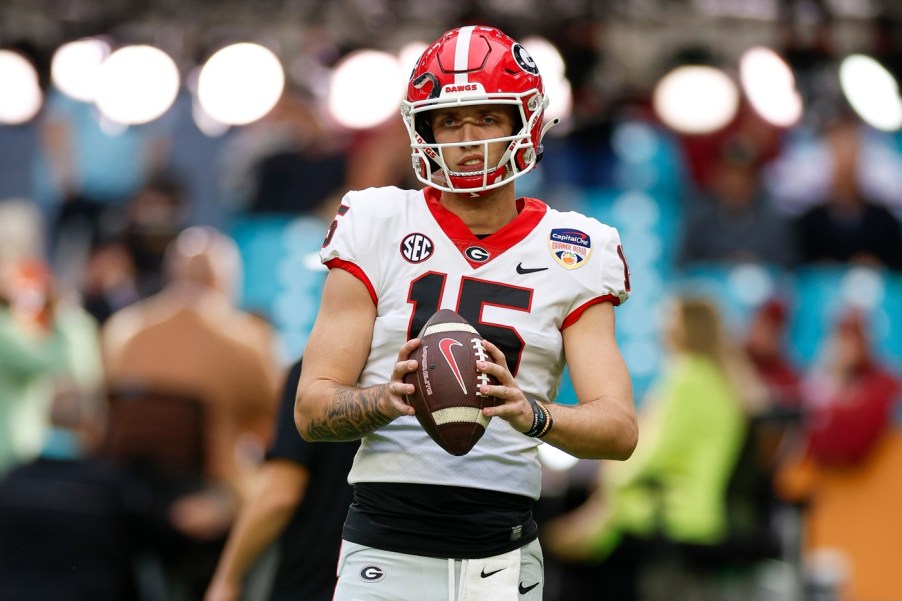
{"points": [[416, 248]]}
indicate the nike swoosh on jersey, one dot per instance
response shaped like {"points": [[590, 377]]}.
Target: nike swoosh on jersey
{"points": [[524, 270], [485, 574], [526, 589]]}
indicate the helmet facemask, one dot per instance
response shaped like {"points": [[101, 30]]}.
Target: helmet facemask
{"points": [[474, 66], [519, 156]]}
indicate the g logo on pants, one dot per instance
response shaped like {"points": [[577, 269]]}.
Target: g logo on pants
{"points": [[372, 574]]}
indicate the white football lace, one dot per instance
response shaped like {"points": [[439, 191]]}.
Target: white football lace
{"points": [[481, 355]]}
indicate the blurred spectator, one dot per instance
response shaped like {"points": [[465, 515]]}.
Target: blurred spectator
{"points": [[87, 170], [849, 396], [22, 230], [48, 343], [766, 347], [379, 156], [109, 282], [849, 227], [299, 503], [693, 426], [155, 215], [296, 160], [127, 264], [189, 339], [845, 474], [586, 159], [732, 220], [798, 180], [287, 162], [71, 525]]}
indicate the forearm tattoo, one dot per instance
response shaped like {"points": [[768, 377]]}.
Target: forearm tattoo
{"points": [[354, 413]]}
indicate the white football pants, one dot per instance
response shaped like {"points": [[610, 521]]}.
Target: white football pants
{"points": [[367, 574]]}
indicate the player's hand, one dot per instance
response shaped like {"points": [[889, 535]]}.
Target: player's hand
{"points": [[515, 409], [397, 390]]}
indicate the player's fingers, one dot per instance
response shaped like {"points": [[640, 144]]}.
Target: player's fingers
{"points": [[515, 410], [407, 348], [405, 364], [400, 388], [495, 353], [502, 392], [499, 372], [397, 397], [402, 368], [402, 406]]}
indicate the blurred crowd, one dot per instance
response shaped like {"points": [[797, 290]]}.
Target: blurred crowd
{"points": [[139, 393]]}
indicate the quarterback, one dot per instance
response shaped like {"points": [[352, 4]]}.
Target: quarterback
{"points": [[538, 284]]}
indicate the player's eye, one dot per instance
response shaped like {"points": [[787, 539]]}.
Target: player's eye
{"points": [[445, 122]]}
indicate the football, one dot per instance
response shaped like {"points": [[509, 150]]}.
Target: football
{"points": [[447, 400]]}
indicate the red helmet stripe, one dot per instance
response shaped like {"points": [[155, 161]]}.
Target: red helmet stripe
{"points": [[462, 55]]}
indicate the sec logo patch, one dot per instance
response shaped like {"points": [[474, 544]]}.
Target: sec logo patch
{"points": [[416, 248], [570, 248]]}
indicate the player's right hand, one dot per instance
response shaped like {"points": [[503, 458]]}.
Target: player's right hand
{"points": [[397, 390]]}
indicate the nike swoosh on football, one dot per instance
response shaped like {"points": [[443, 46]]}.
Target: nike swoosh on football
{"points": [[483, 574], [524, 270], [526, 589]]}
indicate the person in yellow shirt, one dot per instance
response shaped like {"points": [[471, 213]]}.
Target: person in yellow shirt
{"points": [[692, 426]]}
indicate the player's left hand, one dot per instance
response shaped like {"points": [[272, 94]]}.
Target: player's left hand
{"points": [[515, 409]]}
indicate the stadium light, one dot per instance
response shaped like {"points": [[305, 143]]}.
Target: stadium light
{"points": [[770, 86], [362, 90], [136, 84], [872, 91], [240, 83], [20, 93], [696, 99], [75, 67]]}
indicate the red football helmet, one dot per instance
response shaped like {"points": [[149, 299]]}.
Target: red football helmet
{"points": [[475, 65]]}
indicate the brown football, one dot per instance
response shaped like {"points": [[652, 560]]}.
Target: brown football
{"points": [[447, 399]]}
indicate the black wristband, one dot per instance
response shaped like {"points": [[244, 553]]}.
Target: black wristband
{"points": [[549, 421], [542, 422]]}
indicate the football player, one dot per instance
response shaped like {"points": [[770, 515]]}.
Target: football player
{"points": [[539, 284]]}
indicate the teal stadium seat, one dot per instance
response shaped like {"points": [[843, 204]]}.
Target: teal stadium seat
{"points": [[283, 277]]}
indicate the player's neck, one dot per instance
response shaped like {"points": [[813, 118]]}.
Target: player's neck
{"points": [[483, 214]]}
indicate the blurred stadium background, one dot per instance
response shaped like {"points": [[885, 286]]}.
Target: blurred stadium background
{"points": [[648, 92], [645, 90]]}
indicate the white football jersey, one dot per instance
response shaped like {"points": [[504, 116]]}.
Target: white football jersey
{"points": [[520, 287]]}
